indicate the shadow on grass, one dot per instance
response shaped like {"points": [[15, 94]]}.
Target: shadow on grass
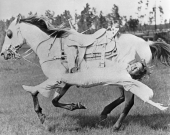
{"points": [[158, 121], [84, 122], [80, 123]]}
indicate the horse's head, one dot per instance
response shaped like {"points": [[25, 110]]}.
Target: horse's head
{"points": [[13, 40]]}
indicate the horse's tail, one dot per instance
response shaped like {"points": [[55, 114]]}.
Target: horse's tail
{"points": [[161, 51]]}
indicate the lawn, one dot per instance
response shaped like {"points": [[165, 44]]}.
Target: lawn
{"points": [[17, 116]]}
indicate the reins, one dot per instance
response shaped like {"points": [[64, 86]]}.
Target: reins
{"points": [[24, 57], [44, 41]]}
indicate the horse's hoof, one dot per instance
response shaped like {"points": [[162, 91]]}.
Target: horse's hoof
{"points": [[102, 118], [74, 69], [77, 106], [116, 127], [80, 106], [100, 125], [42, 118]]}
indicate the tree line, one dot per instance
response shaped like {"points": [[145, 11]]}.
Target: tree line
{"points": [[88, 20]]}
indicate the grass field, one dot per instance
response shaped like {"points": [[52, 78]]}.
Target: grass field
{"points": [[17, 116]]}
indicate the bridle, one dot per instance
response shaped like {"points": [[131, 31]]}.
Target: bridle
{"points": [[13, 51]]}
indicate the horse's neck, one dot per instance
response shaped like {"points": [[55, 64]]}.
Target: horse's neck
{"points": [[33, 35], [38, 41]]}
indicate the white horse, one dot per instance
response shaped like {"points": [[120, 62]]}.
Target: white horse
{"points": [[47, 44]]}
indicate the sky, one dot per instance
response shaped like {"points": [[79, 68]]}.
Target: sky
{"points": [[9, 8]]}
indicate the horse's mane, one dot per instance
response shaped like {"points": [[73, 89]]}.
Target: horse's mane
{"points": [[44, 24]]}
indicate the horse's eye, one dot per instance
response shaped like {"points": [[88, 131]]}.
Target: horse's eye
{"points": [[9, 34]]}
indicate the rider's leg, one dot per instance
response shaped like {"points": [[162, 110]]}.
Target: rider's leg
{"points": [[129, 102], [112, 105]]}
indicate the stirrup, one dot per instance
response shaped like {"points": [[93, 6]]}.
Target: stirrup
{"points": [[74, 69]]}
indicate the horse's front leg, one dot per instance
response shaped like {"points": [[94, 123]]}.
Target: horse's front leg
{"points": [[37, 107], [57, 96], [45, 90], [34, 93], [129, 102]]}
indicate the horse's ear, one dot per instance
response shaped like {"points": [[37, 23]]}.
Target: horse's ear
{"points": [[19, 17]]}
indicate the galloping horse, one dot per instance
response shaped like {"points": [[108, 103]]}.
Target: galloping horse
{"points": [[48, 42]]}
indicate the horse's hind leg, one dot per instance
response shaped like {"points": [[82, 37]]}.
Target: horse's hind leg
{"points": [[57, 96], [129, 102], [112, 105]]}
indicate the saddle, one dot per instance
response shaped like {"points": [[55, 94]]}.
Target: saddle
{"points": [[85, 40], [94, 52], [99, 45]]}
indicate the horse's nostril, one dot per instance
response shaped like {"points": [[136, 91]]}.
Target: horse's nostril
{"points": [[2, 54], [9, 55]]}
